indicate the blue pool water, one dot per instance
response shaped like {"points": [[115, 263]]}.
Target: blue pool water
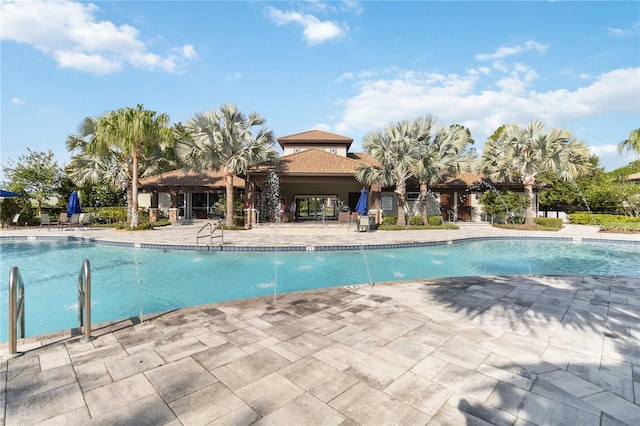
{"points": [[128, 282]]}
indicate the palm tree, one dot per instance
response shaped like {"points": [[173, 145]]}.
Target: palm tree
{"points": [[523, 153], [441, 154], [632, 143], [224, 140], [394, 148], [133, 133]]}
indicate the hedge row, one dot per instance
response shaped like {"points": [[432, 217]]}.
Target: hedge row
{"points": [[601, 219]]}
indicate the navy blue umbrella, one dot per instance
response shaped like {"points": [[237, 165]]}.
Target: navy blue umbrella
{"points": [[361, 207], [8, 194], [74, 204]]}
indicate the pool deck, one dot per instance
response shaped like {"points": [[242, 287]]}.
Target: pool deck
{"points": [[473, 350]]}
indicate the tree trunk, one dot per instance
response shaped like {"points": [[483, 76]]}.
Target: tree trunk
{"points": [[134, 193], [401, 190], [423, 203], [528, 181], [228, 177]]}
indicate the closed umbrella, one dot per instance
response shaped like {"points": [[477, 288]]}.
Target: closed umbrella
{"points": [[361, 207], [74, 204], [9, 194]]}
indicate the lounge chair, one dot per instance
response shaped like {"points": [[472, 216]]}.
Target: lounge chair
{"points": [[63, 220], [85, 220], [74, 220], [45, 220], [14, 221], [364, 224]]}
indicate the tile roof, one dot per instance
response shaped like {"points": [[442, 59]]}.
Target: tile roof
{"points": [[317, 162], [180, 178], [315, 137], [634, 177]]}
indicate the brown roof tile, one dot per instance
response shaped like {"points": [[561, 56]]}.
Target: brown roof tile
{"points": [[317, 162], [180, 178], [314, 136], [634, 177]]}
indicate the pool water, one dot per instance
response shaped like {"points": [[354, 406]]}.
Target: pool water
{"points": [[128, 282]]}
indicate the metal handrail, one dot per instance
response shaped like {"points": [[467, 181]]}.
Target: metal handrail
{"points": [[210, 235], [84, 301], [16, 311]]}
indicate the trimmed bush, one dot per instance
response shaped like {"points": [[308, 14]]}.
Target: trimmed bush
{"points": [[390, 220], [415, 221], [548, 222], [586, 218], [434, 220]]}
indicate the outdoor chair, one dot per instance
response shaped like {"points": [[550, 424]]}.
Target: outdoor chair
{"points": [[14, 221], [74, 220], [85, 220], [63, 220], [45, 220], [364, 224]]}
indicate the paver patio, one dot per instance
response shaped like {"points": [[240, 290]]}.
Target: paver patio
{"points": [[472, 350]]}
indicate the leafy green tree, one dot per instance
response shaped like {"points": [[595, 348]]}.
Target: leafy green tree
{"points": [[225, 140], [118, 139], [525, 152], [35, 174], [414, 149], [504, 204], [632, 143], [394, 149]]}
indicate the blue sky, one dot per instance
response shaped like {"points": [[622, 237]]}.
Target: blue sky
{"points": [[346, 67]]}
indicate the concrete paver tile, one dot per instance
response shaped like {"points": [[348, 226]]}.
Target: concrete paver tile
{"points": [[243, 416], [101, 354], [475, 410], [409, 348], [287, 331], [212, 340], [243, 371], [616, 407], [505, 376], [269, 342], [462, 351], [476, 385], [24, 365], [319, 378], [150, 410], [42, 406], [281, 391], [79, 416], [432, 334], [134, 364], [339, 356], [559, 395], [246, 336], [538, 409], [92, 375], [369, 406], [179, 378], [56, 358], [571, 383], [429, 367], [358, 339], [449, 415], [206, 405], [305, 410], [180, 349], [25, 386], [422, 394], [302, 346], [219, 355], [118, 394]]}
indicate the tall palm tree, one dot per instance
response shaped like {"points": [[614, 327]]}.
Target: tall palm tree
{"points": [[524, 152], [632, 143], [134, 133], [441, 153], [225, 140], [394, 148]]}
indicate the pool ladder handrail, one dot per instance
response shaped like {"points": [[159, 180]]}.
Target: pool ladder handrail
{"points": [[212, 229], [16, 307], [16, 311], [84, 301]]}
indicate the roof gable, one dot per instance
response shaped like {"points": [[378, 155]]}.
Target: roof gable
{"points": [[314, 137], [315, 161]]}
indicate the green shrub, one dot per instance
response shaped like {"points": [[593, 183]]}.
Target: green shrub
{"points": [[548, 222], [110, 214], [620, 227], [586, 218], [434, 220], [415, 221], [390, 220], [143, 226]]}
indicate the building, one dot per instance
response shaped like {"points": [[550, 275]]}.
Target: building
{"points": [[316, 180]]}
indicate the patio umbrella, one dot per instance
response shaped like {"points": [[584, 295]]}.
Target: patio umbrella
{"points": [[9, 194], [74, 204], [361, 207]]}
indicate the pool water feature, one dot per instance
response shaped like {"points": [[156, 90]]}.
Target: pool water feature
{"points": [[128, 282]]}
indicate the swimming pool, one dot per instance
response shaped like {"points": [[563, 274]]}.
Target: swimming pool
{"points": [[128, 282]]}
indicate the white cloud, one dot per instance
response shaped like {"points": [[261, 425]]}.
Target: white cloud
{"points": [[17, 101], [506, 51], [624, 32], [454, 98], [70, 33], [315, 31]]}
